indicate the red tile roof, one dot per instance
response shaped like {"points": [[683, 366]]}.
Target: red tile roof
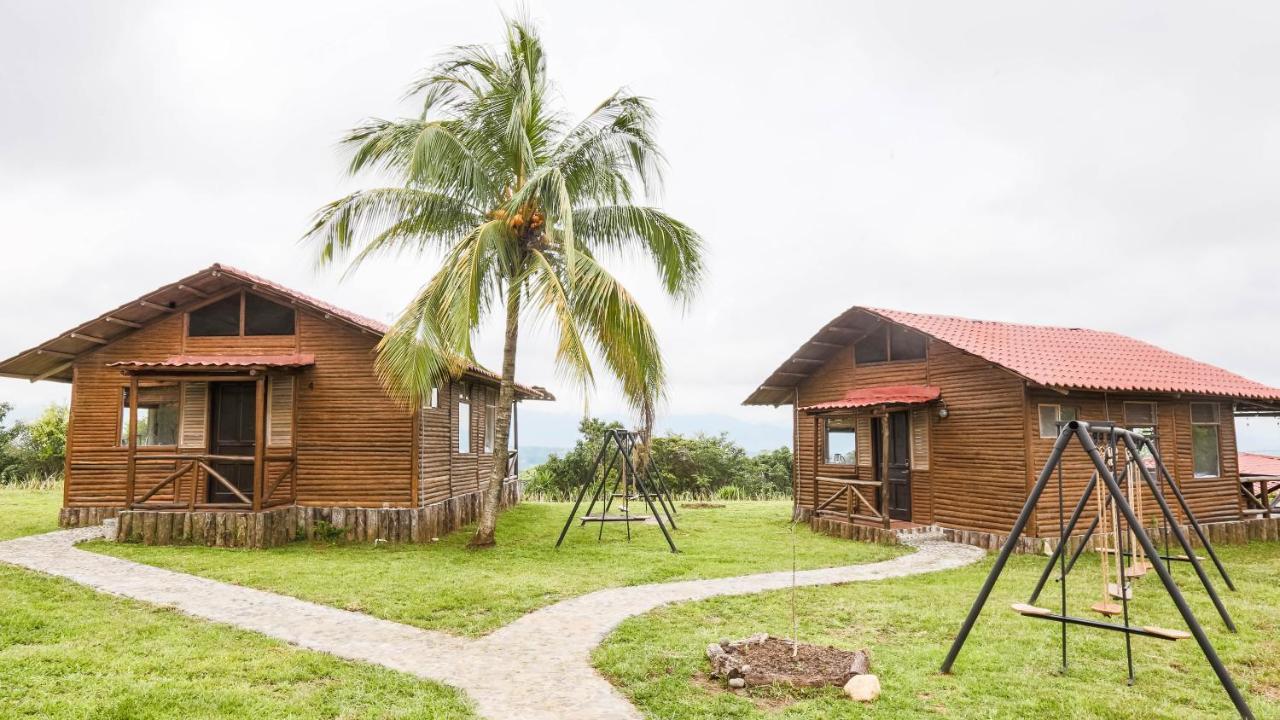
{"points": [[882, 395], [1080, 358], [221, 361], [1259, 465]]}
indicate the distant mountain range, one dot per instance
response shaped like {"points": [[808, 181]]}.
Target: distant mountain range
{"points": [[535, 455]]}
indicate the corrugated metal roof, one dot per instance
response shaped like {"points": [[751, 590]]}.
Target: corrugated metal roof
{"points": [[881, 395], [1059, 357], [221, 361], [1259, 465]]}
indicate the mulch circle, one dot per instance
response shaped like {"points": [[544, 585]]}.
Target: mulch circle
{"points": [[765, 660]]}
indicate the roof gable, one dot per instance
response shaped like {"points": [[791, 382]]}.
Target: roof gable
{"points": [[1068, 358], [53, 359]]}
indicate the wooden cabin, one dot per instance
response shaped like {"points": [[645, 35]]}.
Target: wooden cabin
{"points": [[903, 419], [226, 392]]}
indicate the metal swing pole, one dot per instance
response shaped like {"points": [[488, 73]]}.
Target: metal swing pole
{"points": [[1224, 676], [583, 493], [1122, 576], [1191, 517], [1002, 559], [1062, 564], [1062, 539], [1180, 537], [648, 499]]}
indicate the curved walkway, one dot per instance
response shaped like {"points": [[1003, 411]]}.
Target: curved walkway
{"points": [[534, 668]]}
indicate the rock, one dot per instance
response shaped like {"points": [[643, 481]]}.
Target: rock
{"points": [[745, 669], [737, 683], [724, 642], [713, 651], [863, 688]]}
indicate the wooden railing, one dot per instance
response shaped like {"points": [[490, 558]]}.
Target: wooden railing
{"points": [[513, 465], [1261, 495], [198, 466], [856, 505]]}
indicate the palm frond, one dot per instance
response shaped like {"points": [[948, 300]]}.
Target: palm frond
{"points": [[675, 249], [387, 220]]}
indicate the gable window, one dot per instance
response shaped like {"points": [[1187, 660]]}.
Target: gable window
{"points": [[1204, 440], [217, 319], [264, 317], [889, 344], [157, 415], [490, 427], [1051, 415], [434, 402], [464, 423], [841, 441], [241, 314]]}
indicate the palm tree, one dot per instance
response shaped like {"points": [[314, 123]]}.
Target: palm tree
{"points": [[522, 205]]}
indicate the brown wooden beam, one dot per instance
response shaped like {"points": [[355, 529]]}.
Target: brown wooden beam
{"points": [[259, 441], [155, 306], [884, 471], [57, 353], [55, 371], [90, 338], [121, 321], [131, 471], [198, 293]]}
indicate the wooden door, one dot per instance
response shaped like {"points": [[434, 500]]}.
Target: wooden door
{"points": [[233, 429], [900, 466]]}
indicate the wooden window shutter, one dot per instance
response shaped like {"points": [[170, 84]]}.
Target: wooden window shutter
{"points": [[864, 441], [195, 411], [280, 411], [920, 439]]}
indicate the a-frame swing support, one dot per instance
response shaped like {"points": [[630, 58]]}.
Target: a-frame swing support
{"points": [[1081, 431], [628, 484]]}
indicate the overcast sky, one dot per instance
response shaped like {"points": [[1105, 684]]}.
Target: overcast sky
{"points": [[1031, 162]]}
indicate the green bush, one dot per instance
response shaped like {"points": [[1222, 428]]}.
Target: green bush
{"points": [[697, 467], [33, 453]]}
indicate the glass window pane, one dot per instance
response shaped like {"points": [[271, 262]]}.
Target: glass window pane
{"points": [[1048, 420], [464, 426], [841, 441], [905, 344], [490, 427], [1139, 413], [1204, 450], [1067, 414], [1204, 413], [157, 415], [872, 348], [217, 319], [264, 317]]}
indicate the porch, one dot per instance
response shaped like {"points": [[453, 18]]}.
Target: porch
{"points": [[219, 432]]}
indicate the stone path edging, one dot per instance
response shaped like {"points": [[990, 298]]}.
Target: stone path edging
{"points": [[532, 669]]}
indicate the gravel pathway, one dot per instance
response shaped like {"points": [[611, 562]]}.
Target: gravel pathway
{"points": [[534, 668]]}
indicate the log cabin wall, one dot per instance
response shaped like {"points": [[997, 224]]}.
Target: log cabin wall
{"points": [[447, 470], [1211, 499], [356, 444], [96, 460], [970, 474]]}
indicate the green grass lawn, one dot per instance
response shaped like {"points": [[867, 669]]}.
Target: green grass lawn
{"points": [[445, 586], [1008, 669], [69, 652]]}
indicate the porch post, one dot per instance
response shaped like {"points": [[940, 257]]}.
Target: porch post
{"points": [[884, 470], [515, 433], [259, 440], [131, 472]]}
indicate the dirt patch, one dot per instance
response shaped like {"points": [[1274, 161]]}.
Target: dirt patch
{"points": [[701, 505], [766, 660]]}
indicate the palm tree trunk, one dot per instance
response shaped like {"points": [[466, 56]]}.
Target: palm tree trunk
{"points": [[484, 536]]}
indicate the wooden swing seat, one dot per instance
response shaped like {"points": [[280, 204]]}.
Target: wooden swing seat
{"points": [[1107, 608], [1167, 633], [1032, 610], [1148, 631]]}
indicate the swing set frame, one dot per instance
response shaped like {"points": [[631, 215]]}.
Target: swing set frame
{"points": [[1105, 475]]}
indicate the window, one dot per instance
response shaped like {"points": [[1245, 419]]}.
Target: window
{"points": [[1140, 417], [157, 415], [841, 441], [217, 319], [464, 423], [905, 344], [222, 318], [889, 344], [434, 402], [1204, 440], [263, 317], [490, 427], [1051, 415]]}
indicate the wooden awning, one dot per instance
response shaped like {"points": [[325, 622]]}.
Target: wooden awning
{"points": [[880, 395]]}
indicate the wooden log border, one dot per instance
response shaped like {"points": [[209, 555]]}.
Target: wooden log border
{"points": [[279, 526]]}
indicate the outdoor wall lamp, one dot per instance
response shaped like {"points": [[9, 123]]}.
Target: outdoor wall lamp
{"points": [[942, 410]]}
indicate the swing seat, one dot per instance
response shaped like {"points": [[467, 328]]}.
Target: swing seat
{"points": [[1115, 591], [1108, 609], [1030, 610], [614, 518], [1136, 570], [1166, 633]]}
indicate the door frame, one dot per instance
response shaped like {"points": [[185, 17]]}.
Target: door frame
{"points": [[878, 454], [254, 444]]}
